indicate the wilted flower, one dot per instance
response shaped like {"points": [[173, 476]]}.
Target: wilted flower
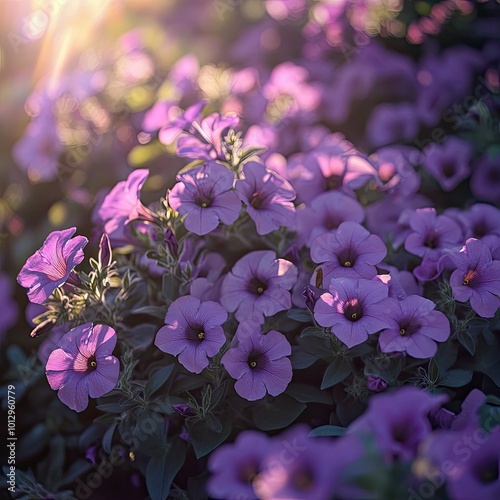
{"points": [[51, 266], [83, 365], [192, 331]]}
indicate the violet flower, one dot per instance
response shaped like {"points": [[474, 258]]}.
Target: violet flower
{"points": [[414, 326], [350, 251], [398, 421], [485, 181], [476, 277], [326, 213], [268, 198], [204, 140], [205, 195], [258, 285], [354, 309], [449, 162], [300, 467], [431, 233], [51, 266], [258, 362], [122, 205], [235, 466], [192, 331], [83, 365]]}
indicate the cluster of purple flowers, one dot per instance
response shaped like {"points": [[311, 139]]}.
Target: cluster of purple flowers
{"points": [[260, 271]]}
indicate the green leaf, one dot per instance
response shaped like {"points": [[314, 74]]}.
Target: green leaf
{"points": [[162, 469], [312, 331], [486, 361], [456, 378], [33, 442], [446, 355], [248, 153], [300, 315], [283, 411], [213, 423], [170, 287], [328, 430], [157, 379], [205, 440], [304, 393], [301, 359], [467, 340], [107, 439], [55, 460], [157, 312], [433, 370], [337, 371]]}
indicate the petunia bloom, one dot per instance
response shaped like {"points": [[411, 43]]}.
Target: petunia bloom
{"points": [[83, 365], [350, 251], [431, 233], [192, 331], [258, 285], [476, 277], [414, 326], [449, 162], [268, 198], [258, 362], [354, 309], [205, 195], [51, 266], [122, 205], [300, 467], [234, 466], [326, 213], [399, 421]]}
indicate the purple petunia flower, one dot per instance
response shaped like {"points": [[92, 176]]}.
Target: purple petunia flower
{"points": [[83, 365], [192, 331], [431, 233], [205, 195], [476, 277], [299, 467], [326, 213], [354, 309], [414, 326], [485, 181], [175, 126], [398, 420], [481, 220], [376, 384], [234, 466], [449, 162], [268, 198], [52, 265], [350, 251], [258, 285], [122, 205], [204, 140], [258, 362]]}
